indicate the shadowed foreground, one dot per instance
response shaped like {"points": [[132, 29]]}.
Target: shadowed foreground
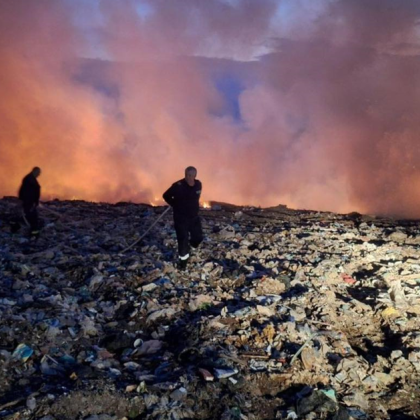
{"points": [[280, 313]]}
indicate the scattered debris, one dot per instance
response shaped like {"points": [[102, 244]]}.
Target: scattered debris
{"points": [[280, 314]]}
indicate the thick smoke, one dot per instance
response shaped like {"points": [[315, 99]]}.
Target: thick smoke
{"points": [[273, 101]]}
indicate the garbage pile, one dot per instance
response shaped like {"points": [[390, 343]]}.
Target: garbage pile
{"points": [[281, 314]]}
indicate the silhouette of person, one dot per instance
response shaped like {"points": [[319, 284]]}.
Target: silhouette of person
{"points": [[184, 196], [29, 194]]}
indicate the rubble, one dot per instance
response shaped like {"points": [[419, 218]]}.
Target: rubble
{"points": [[280, 314]]}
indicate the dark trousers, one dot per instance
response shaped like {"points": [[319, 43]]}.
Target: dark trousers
{"points": [[31, 214], [188, 232]]}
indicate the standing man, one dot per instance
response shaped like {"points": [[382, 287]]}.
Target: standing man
{"points": [[184, 196], [29, 194]]}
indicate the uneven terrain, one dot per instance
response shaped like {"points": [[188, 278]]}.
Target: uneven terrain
{"points": [[280, 314]]}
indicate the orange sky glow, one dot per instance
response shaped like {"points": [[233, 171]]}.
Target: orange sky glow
{"points": [[313, 104]]}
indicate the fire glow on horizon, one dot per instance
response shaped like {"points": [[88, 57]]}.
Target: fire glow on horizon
{"points": [[309, 103]]}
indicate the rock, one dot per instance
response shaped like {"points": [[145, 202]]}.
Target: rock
{"points": [[396, 354], [200, 302], [396, 293], [310, 358], [149, 287], [266, 311], [414, 310], [95, 281], [130, 388], [227, 233], [162, 313], [149, 347], [267, 286], [397, 236], [357, 399], [316, 402], [179, 394], [298, 314], [31, 403]]}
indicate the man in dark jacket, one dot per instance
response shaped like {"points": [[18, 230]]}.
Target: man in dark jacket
{"points": [[29, 194], [184, 196]]}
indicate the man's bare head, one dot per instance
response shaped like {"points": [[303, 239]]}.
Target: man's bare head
{"points": [[36, 172], [190, 174]]}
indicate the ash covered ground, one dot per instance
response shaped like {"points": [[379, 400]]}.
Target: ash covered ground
{"points": [[281, 314]]}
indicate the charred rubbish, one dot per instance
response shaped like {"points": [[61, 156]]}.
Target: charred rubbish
{"points": [[280, 313]]}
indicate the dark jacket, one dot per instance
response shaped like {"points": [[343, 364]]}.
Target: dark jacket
{"points": [[30, 190], [183, 198]]}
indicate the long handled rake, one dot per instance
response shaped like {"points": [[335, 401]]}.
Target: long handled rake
{"points": [[147, 231]]}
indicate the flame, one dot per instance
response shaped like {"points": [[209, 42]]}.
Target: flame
{"points": [[156, 201], [206, 205]]}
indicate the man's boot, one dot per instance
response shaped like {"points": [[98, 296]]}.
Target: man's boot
{"points": [[14, 227], [182, 264]]}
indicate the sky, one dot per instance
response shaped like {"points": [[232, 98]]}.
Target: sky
{"points": [[309, 103]]}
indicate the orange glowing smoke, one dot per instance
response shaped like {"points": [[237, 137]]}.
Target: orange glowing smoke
{"points": [[113, 104]]}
